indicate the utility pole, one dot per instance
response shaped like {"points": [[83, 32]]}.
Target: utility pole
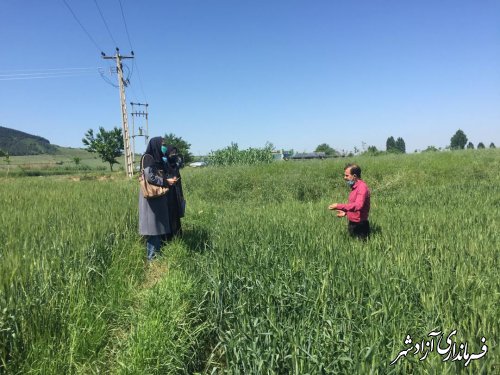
{"points": [[142, 133], [122, 84]]}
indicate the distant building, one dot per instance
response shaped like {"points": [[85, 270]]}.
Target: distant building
{"points": [[282, 154], [277, 155]]}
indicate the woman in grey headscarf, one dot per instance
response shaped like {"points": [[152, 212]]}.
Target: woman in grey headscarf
{"points": [[154, 221]]}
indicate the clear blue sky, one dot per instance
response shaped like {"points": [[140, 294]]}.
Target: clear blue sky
{"points": [[296, 73]]}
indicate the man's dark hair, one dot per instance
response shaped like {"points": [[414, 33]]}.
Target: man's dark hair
{"points": [[354, 169]]}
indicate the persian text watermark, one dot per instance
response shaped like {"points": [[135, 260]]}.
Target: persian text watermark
{"points": [[451, 350]]}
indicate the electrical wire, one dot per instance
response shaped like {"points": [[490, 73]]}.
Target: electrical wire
{"points": [[83, 28], [58, 75], [105, 23], [134, 64], [103, 76], [42, 70], [101, 70], [140, 82], [45, 73], [126, 28]]}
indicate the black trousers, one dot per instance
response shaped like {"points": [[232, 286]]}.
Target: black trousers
{"points": [[359, 230]]}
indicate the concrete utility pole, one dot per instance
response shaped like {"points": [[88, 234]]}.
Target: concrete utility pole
{"points": [[142, 133], [122, 84]]}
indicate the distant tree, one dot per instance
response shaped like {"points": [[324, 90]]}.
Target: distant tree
{"points": [[372, 151], [400, 145], [431, 149], [324, 147], [182, 146], [107, 144], [363, 146], [390, 144], [480, 145], [492, 145], [2, 153], [7, 160], [470, 145], [458, 141], [76, 160]]}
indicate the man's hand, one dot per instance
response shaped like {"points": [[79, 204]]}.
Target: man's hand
{"points": [[340, 213], [333, 206]]}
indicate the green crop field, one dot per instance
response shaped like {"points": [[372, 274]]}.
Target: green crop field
{"points": [[61, 163], [264, 280]]}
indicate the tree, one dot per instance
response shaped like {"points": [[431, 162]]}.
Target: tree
{"points": [[108, 144], [470, 145], [324, 147], [182, 146], [400, 145], [2, 153], [390, 144], [7, 160], [458, 141], [431, 149], [372, 151], [492, 145], [480, 145]]}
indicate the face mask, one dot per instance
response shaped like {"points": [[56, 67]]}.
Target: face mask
{"points": [[164, 149], [164, 159], [350, 183]]}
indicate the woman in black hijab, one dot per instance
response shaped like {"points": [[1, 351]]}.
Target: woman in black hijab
{"points": [[175, 196], [154, 221]]}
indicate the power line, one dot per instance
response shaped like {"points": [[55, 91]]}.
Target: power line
{"points": [[101, 72], [46, 73], [105, 23], [128, 37], [60, 75], [43, 70], [126, 28], [140, 81], [134, 63], [81, 25]]}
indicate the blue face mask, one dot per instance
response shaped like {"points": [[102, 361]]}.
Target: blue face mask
{"points": [[164, 149], [350, 183], [164, 159]]}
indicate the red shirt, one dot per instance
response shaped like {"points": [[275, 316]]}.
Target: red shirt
{"points": [[359, 203]]}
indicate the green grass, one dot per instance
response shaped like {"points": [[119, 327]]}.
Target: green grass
{"points": [[60, 163], [264, 280]]}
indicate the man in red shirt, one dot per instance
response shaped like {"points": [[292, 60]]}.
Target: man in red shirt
{"points": [[359, 203]]}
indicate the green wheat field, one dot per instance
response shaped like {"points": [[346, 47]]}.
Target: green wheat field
{"points": [[265, 279]]}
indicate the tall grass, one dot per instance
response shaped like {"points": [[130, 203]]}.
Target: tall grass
{"points": [[70, 260], [288, 292], [265, 278]]}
